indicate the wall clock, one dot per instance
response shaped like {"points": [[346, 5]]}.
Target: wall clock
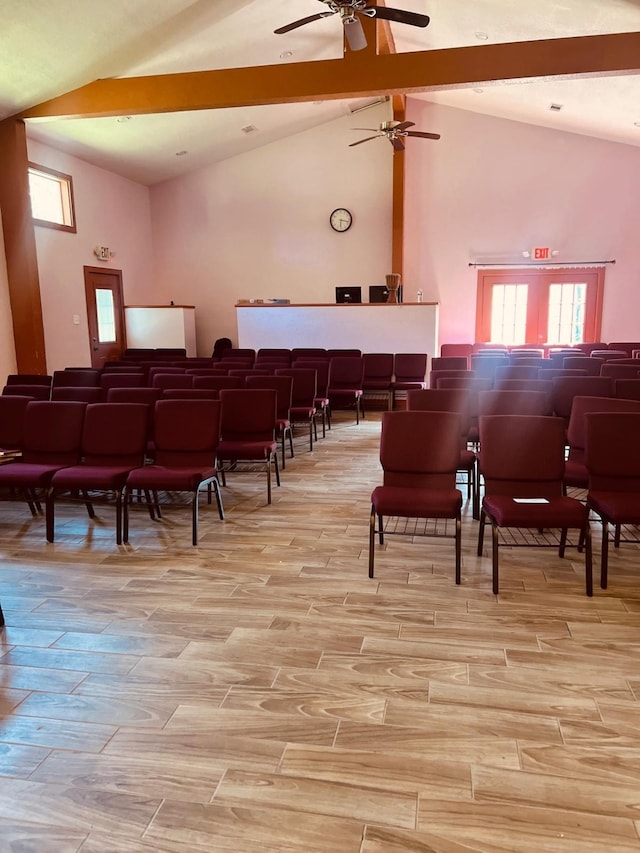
{"points": [[341, 219]]}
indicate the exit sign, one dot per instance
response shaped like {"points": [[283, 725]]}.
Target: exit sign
{"points": [[541, 253]]}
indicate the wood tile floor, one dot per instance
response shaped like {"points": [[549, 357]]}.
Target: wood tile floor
{"points": [[260, 693]]}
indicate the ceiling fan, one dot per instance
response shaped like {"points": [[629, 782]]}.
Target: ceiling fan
{"points": [[349, 10], [394, 131]]}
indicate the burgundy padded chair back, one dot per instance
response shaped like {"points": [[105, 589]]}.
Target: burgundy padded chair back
{"points": [[410, 366], [513, 403], [93, 394], [378, 369], [321, 367], [190, 394], [576, 431], [626, 346], [52, 432], [621, 371], [115, 434], [451, 362], [217, 383], [186, 432], [591, 366], [206, 371], [464, 350], [28, 379], [274, 354], [244, 372], [430, 462], [441, 400], [435, 376], [12, 414], [164, 353], [308, 352], [34, 392], [245, 353], [515, 371], [172, 380], [565, 388], [248, 414], [525, 452], [154, 370], [544, 385], [612, 451], [346, 372], [627, 388], [117, 379], [84, 377], [304, 388], [134, 395], [282, 385]]}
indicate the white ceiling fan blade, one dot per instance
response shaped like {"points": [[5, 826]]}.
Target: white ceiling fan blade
{"points": [[356, 38]]}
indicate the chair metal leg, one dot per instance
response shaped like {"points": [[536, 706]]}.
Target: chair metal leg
{"points": [[194, 516], [563, 542], [381, 529], [269, 480], [218, 493], [119, 517], [494, 554], [290, 431], [604, 564], [1, 617], [588, 559], [372, 539], [50, 514], [458, 548], [617, 535], [483, 521]]}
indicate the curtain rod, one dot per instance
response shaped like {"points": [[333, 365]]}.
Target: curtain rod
{"points": [[549, 265]]}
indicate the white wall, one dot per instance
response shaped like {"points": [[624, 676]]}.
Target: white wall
{"points": [[492, 187], [110, 211], [257, 225]]}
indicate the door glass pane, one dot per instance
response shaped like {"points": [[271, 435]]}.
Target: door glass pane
{"points": [[106, 316], [566, 313], [509, 313]]}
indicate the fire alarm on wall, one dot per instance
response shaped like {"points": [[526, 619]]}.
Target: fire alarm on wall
{"points": [[103, 253]]}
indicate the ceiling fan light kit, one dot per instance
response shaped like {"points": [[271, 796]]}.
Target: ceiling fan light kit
{"points": [[350, 12]]}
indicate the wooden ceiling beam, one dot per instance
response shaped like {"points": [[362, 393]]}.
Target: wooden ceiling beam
{"points": [[359, 74]]}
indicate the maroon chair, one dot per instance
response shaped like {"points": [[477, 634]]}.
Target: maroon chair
{"points": [[247, 431], [34, 392], [274, 354], [378, 376], [498, 402], [321, 400], [185, 459], [458, 350], [283, 386], [170, 353], [627, 388], [121, 379], [303, 395], [521, 385], [565, 388], [243, 372], [82, 376], [12, 414], [621, 371], [409, 371], [218, 383], [91, 394], [554, 372], [309, 352], [206, 371], [114, 440], [344, 353], [147, 396], [50, 441], [575, 469], [190, 394], [591, 366], [450, 362], [419, 454], [345, 384], [612, 457], [451, 400], [515, 371], [28, 379], [625, 346], [244, 354], [523, 466], [435, 376], [484, 366], [172, 380]]}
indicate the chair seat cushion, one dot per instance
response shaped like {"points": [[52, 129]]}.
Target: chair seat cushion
{"points": [[246, 450], [618, 507], [172, 479], [100, 477], [558, 512], [416, 503], [27, 474]]}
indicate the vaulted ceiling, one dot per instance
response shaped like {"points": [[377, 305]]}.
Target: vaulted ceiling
{"points": [[47, 49]]}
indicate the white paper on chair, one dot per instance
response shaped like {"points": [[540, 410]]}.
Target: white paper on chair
{"points": [[531, 500]]}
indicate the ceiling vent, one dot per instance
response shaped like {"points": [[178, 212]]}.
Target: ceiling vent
{"points": [[359, 106], [249, 128], [555, 108]]}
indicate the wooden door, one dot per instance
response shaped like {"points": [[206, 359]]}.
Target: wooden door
{"points": [[105, 314]]}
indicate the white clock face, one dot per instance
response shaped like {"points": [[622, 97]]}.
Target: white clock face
{"points": [[340, 219]]}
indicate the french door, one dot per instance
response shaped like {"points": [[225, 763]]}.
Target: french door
{"points": [[105, 314], [531, 306]]}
